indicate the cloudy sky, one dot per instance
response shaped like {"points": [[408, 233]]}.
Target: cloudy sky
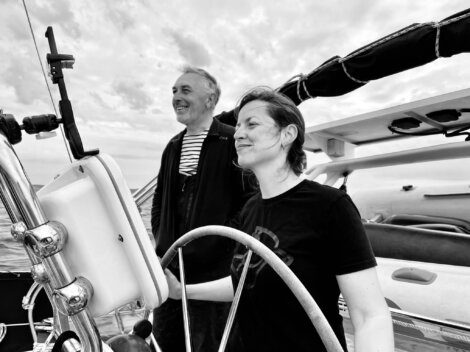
{"points": [[128, 55]]}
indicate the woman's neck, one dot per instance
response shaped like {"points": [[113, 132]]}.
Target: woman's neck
{"points": [[277, 181]]}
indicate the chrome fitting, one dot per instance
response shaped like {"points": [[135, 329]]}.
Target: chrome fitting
{"points": [[39, 274], [47, 239], [75, 296], [18, 231], [71, 345]]}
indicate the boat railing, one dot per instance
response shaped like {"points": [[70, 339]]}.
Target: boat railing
{"points": [[144, 193], [43, 241], [335, 169], [421, 329], [463, 327]]}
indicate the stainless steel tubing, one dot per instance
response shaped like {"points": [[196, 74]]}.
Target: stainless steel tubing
{"points": [[87, 331], [18, 194], [144, 193], [28, 304], [236, 300], [58, 271], [184, 298], [295, 285], [61, 321], [22, 204]]}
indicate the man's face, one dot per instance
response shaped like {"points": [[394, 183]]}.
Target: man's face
{"points": [[191, 98]]}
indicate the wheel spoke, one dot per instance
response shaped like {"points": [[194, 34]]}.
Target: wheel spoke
{"points": [[184, 298], [236, 300]]}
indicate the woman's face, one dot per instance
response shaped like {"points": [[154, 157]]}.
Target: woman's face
{"points": [[257, 137]]}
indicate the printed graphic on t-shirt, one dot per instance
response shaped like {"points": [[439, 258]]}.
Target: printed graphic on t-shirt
{"points": [[270, 240]]}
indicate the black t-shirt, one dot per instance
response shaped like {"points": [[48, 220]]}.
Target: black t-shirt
{"points": [[317, 231]]}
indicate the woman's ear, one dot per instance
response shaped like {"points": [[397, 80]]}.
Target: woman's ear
{"points": [[288, 135]]}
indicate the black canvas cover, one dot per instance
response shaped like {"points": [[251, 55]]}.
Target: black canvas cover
{"points": [[412, 46]]}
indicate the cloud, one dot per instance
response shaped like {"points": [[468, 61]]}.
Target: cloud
{"points": [[133, 94], [26, 81], [121, 18], [16, 23], [128, 56], [192, 51], [56, 13], [99, 100]]}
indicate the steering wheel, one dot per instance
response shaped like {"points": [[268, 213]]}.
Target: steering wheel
{"points": [[314, 313]]}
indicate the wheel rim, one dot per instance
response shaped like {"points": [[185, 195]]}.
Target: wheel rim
{"points": [[314, 313]]}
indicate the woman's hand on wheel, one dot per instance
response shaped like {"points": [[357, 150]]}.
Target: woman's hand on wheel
{"points": [[174, 286]]}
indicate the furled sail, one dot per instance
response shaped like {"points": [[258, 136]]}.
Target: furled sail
{"points": [[410, 47]]}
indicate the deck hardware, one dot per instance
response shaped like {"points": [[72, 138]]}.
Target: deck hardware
{"points": [[414, 276], [22, 204], [40, 123], [56, 63], [120, 238], [335, 148], [442, 195], [18, 231], [75, 296], [445, 115], [46, 135], [47, 239], [10, 128], [39, 273], [406, 123]]}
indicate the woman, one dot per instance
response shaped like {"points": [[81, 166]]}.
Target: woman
{"points": [[315, 229]]}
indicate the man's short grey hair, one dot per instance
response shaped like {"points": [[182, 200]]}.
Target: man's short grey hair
{"points": [[211, 81]]}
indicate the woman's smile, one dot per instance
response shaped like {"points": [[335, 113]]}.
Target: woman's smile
{"points": [[241, 146]]}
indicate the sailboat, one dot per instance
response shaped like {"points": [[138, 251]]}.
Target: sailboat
{"points": [[419, 231], [91, 254]]}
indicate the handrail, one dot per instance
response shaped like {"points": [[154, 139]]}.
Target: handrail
{"points": [[399, 313], [22, 205], [432, 153], [423, 318], [144, 193]]}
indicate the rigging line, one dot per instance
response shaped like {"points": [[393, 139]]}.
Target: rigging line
{"points": [[45, 79]]}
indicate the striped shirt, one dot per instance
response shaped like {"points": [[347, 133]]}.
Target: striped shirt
{"points": [[190, 151]]}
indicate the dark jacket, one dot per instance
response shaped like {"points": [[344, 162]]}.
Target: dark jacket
{"points": [[220, 192]]}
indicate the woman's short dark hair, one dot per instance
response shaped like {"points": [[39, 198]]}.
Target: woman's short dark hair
{"points": [[284, 112]]}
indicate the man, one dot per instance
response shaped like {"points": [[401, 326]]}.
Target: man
{"points": [[198, 184]]}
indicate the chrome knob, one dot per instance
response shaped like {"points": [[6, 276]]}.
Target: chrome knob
{"points": [[18, 231], [47, 239], [75, 296]]}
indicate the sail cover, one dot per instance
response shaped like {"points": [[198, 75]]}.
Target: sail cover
{"points": [[412, 46]]}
